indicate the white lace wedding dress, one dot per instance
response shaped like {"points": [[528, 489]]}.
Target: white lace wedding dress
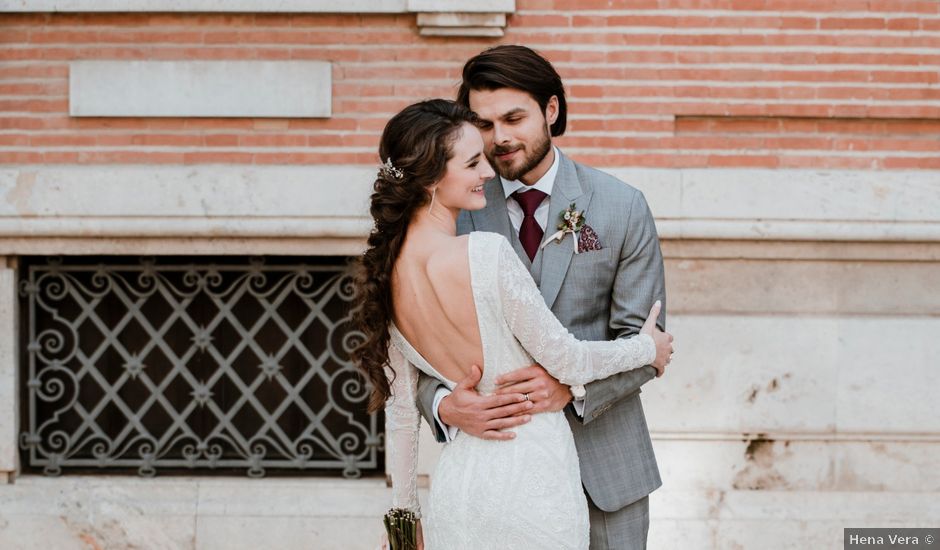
{"points": [[523, 493]]}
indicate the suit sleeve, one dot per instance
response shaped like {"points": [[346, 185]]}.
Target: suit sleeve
{"points": [[640, 281], [427, 389]]}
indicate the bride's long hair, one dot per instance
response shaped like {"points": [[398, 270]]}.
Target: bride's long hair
{"points": [[416, 144]]}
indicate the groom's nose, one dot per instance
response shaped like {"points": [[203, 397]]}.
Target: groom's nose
{"points": [[499, 136]]}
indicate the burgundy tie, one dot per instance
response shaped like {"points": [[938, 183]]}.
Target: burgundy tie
{"points": [[530, 233]]}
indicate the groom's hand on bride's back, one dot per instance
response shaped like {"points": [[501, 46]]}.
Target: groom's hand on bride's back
{"points": [[483, 416]]}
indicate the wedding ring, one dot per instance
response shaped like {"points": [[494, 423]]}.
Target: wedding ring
{"points": [[526, 395]]}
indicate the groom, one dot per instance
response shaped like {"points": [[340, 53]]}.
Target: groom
{"points": [[603, 292]]}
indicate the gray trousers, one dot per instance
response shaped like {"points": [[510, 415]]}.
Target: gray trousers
{"points": [[625, 529]]}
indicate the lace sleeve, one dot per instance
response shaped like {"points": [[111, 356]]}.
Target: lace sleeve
{"points": [[401, 431], [569, 360]]}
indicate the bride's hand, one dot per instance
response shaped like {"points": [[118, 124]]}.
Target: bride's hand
{"points": [[662, 339], [420, 536]]}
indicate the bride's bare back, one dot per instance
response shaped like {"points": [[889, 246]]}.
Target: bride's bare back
{"points": [[433, 301]]}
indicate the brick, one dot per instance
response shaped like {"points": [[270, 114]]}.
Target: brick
{"points": [[51, 88], [20, 157], [34, 71], [221, 140], [830, 162], [60, 157], [21, 123], [14, 140], [23, 19], [743, 161], [131, 157], [58, 140], [930, 24], [170, 140], [843, 23], [34, 105], [324, 124], [911, 163], [522, 20], [277, 140], [203, 157], [802, 142], [903, 24], [213, 123], [907, 6]]}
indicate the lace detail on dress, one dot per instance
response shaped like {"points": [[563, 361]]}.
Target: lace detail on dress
{"points": [[402, 421], [571, 361]]}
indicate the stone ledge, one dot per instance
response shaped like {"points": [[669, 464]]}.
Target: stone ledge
{"points": [[302, 202], [358, 227]]}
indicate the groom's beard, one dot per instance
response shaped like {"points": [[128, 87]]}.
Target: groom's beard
{"points": [[531, 159]]}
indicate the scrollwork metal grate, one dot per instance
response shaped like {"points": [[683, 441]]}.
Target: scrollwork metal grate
{"points": [[165, 364]]}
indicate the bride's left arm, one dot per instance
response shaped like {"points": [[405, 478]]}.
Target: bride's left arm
{"points": [[401, 431], [567, 359]]}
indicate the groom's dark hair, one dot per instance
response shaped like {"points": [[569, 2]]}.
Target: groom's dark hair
{"points": [[518, 67]]}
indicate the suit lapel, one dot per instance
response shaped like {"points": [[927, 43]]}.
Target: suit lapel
{"points": [[557, 256]]}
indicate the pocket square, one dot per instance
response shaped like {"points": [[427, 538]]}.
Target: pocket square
{"points": [[588, 240]]}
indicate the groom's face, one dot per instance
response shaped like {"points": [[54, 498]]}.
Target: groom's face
{"points": [[515, 131]]}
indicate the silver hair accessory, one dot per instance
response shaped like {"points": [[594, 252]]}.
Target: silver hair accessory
{"points": [[389, 171]]}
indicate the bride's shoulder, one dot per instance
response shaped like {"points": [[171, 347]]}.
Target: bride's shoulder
{"points": [[489, 239]]}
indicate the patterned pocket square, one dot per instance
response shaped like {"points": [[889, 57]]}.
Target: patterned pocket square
{"points": [[587, 240]]}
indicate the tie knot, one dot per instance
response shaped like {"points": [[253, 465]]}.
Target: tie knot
{"points": [[529, 200]]}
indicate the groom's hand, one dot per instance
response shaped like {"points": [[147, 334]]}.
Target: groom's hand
{"points": [[547, 393], [483, 416]]}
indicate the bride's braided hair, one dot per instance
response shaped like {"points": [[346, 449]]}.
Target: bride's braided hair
{"points": [[417, 142]]}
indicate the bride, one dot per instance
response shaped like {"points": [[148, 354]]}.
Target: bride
{"points": [[431, 300]]}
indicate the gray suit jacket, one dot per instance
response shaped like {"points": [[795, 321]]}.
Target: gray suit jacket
{"points": [[597, 295]]}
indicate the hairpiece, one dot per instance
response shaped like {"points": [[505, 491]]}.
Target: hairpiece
{"points": [[389, 171]]}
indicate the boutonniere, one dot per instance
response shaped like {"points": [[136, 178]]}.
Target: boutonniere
{"points": [[583, 236]]}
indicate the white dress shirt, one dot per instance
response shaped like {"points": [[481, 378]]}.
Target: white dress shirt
{"points": [[545, 185]]}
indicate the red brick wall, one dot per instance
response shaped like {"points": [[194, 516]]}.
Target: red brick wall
{"points": [[655, 83]]}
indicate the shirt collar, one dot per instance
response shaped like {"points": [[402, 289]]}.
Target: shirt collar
{"points": [[545, 183]]}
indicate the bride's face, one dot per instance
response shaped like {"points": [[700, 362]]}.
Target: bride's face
{"points": [[467, 170]]}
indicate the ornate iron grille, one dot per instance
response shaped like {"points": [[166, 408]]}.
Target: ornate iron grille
{"points": [[166, 364]]}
